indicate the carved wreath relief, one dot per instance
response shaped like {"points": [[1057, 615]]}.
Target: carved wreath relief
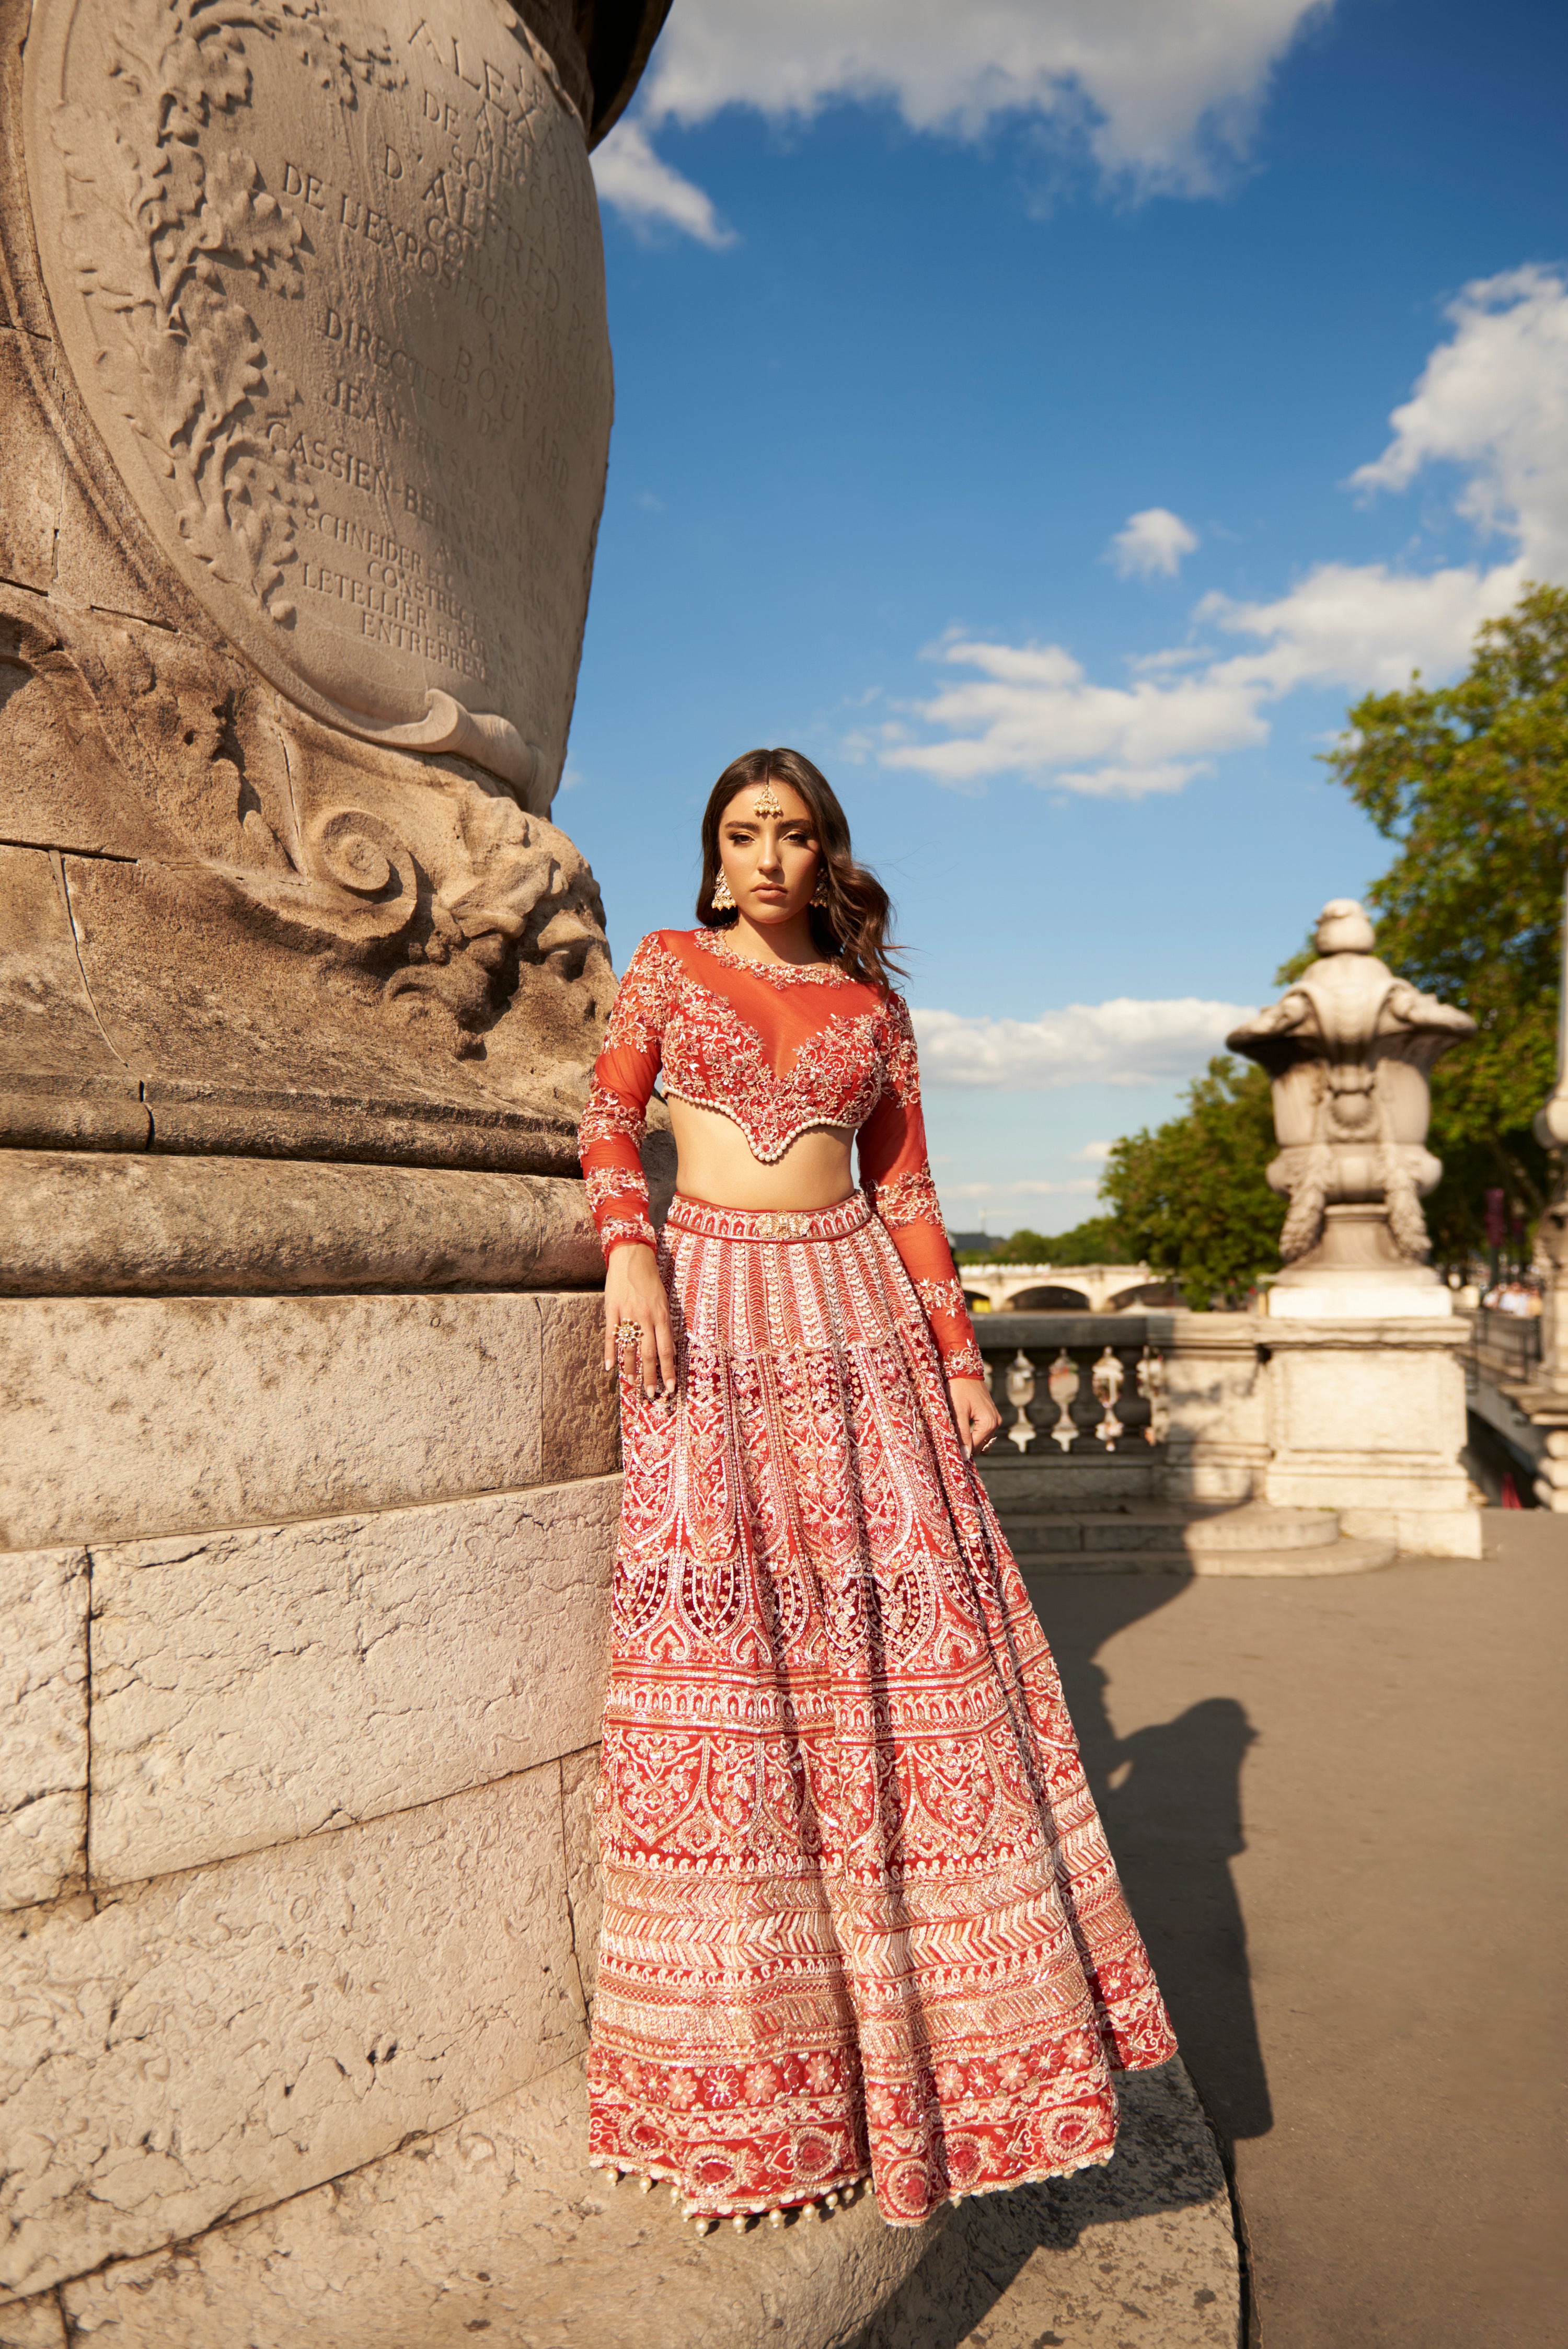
{"points": [[332, 290]]}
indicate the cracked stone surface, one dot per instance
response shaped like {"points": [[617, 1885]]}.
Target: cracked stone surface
{"points": [[44, 1752], [207, 2044], [255, 1686], [133, 1416], [498, 2231], [33, 2323], [32, 466], [1139, 2255], [579, 1775]]}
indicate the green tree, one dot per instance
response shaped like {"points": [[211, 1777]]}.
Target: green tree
{"points": [[1190, 1199], [1471, 782], [1096, 1241]]}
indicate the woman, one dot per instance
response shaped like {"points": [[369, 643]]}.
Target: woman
{"points": [[860, 1919]]}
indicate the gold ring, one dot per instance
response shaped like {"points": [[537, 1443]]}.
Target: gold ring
{"points": [[628, 1330]]}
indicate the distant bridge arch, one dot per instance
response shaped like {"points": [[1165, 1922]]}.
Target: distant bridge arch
{"points": [[1053, 1287]]}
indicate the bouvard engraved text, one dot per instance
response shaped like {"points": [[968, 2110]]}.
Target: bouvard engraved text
{"points": [[329, 279]]}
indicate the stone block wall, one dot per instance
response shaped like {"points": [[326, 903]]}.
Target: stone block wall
{"points": [[306, 1617], [304, 1607]]}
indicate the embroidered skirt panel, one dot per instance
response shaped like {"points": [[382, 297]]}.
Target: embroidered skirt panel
{"points": [[860, 1916]]}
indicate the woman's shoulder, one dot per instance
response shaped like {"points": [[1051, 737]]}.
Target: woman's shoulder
{"points": [[657, 949]]}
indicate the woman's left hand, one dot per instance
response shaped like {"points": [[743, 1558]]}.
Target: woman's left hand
{"points": [[977, 1416]]}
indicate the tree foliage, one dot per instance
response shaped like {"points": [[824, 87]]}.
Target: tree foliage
{"points": [[1471, 782], [1096, 1241], [1190, 1198]]}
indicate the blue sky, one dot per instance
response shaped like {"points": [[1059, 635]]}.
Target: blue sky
{"points": [[991, 387]]}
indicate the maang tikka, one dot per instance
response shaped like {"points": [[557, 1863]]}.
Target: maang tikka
{"points": [[768, 803]]}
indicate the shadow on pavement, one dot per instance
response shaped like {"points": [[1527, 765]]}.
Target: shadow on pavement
{"points": [[1171, 1799], [1040, 2265]]}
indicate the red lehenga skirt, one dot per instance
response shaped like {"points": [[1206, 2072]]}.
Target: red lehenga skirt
{"points": [[859, 1917]]}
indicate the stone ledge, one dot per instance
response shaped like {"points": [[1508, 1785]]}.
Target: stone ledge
{"points": [[1139, 2255], [254, 1688], [497, 2227], [1412, 1333], [137, 1417], [211, 2043], [496, 2230], [115, 1222]]}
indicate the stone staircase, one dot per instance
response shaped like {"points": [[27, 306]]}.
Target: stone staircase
{"points": [[1143, 1537]]}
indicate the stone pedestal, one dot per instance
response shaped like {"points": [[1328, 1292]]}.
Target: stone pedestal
{"points": [[1217, 1389], [308, 1493], [1356, 1272], [1367, 1418], [308, 1598]]}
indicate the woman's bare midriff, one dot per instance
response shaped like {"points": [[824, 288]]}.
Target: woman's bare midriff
{"points": [[717, 1164]]}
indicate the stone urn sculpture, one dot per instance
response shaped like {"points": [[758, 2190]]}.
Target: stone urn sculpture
{"points": [[1349, 1049]]}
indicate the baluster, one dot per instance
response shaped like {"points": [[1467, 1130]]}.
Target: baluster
{"points": [[1107, 1376], [1021, 1392], [1063, 1383], [1152, 1387]]}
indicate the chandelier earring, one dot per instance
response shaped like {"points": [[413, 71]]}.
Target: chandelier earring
{"points": [[820, 893], [722, 897]]}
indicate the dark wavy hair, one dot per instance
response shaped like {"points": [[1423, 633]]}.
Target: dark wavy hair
{"points": [[853, 927]]}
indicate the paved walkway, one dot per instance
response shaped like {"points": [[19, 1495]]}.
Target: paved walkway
{"points": [[1338, 1807]]}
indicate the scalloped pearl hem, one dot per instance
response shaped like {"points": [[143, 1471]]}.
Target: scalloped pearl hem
{"points": [[842, 2191]]}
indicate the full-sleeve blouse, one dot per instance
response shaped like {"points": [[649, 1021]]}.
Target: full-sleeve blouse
{"points": [[779, 1050]]}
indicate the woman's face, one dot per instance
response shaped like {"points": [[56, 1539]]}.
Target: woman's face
{"points": [[769, 861]]}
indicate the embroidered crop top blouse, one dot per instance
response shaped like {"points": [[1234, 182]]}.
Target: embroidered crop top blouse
{"points": [[779, 1050]]}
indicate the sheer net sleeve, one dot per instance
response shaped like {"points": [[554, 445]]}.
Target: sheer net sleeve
{"points": [[609, 1138], [896, 1174]]}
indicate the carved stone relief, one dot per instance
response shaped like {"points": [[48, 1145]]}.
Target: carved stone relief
{"points": [[331, 287], [305, 402], [280, 940]]}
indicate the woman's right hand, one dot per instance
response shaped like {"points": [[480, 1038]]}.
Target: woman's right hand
{"points": [[633, 1292]]}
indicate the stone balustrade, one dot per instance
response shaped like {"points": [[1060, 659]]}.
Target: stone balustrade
{"points": [[1363, 1418]]}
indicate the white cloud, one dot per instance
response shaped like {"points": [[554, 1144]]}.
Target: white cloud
{"points": [[1494, 399], [1164, 93], [1125, 1042], [650, 192], [1095, 1154], [1151, 544], [1170, 86], [1361, 626], [1031, 711]]}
